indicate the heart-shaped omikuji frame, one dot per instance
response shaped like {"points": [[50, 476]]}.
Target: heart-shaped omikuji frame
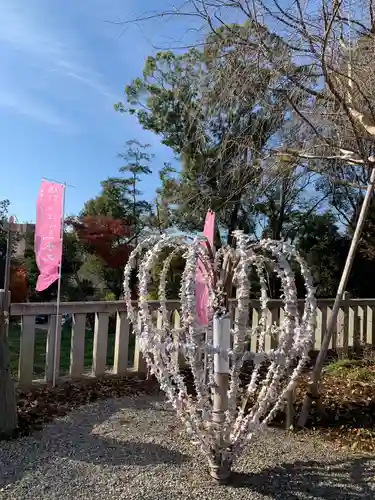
{"points": [[274, 372]]}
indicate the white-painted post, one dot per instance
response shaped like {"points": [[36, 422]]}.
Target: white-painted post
{"points": [[221, 339]]}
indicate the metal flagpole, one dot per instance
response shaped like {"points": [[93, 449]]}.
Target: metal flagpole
{"points": [[58, 289]]}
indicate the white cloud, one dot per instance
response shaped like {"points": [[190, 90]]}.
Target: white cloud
{"points": [[37, 49], [86, 77], [28, 106]]}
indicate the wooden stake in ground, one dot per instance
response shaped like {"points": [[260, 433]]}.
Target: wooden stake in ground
{"points": [[313, 391], [8, 407]]}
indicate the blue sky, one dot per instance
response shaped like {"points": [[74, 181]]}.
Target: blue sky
{"points": [[64, 63]]}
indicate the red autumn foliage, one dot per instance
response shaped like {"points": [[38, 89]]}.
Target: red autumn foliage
{"points": [[105, 237], [19, 288]]}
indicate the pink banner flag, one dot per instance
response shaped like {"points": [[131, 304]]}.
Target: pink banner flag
{"points": [[48, 242], [201, 290]]}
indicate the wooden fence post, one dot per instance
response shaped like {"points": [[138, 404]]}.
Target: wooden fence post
{"points": [[8, 407], [120, 361], [140, 365]]}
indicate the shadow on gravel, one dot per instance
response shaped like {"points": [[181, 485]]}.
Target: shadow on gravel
{"points": [[101, 451], [352, 479], [97, 436]]}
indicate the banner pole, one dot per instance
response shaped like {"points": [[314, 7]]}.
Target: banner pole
{"points": [[58, 298]]}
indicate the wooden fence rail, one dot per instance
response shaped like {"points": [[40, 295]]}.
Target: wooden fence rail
{"points": [[99, 339]]}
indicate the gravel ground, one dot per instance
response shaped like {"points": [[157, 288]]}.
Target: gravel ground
{"points": [[133, 448]]}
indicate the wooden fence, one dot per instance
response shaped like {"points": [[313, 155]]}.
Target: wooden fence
{"points": [[109, 346]]}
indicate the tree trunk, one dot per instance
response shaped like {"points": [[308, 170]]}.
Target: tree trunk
{"points": [[8, 406], [233, 223]]}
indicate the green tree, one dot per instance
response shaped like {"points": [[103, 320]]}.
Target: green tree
{"points": [[110, 223], [219, 135], [108, 202], [137, 164], [324, 247], [119, 197]]}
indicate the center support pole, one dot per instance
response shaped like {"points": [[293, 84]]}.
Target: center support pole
{"points": [[220, 467]]}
